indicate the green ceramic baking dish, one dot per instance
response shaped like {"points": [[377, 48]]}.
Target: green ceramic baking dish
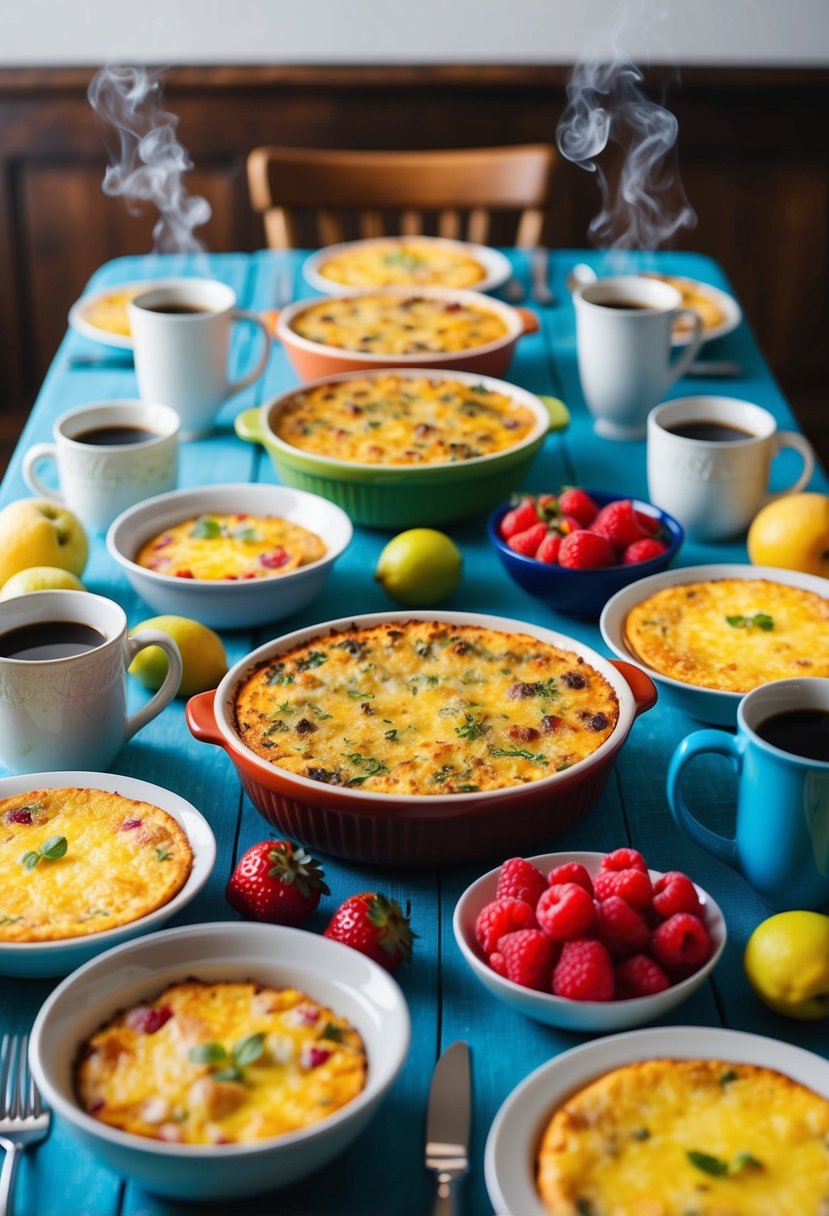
{"points": [[395, 496]]}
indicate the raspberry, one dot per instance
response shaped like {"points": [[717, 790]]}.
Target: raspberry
{"points": [[22, 815], [681, 941], [585, 551], [622, 929], [674, 892], [528, 541], [634, 886], [520, 879], [584, 972], [571, 871], [579, 504], [518, 519], [639, 976], [565, 911], [547, 551], [624, 859], [643, 551], [647, 523], [500, 917], [526, 957], [617, 521]]}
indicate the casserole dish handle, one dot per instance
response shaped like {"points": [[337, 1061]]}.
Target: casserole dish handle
{"points": [[201, 718], [639, 683], [269, 317], [248, 424], [559, 413], [530, 323]]}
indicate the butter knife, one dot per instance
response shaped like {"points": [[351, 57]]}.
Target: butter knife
{"points": [[447, 1125]]}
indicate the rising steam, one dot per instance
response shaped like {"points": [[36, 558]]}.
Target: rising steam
{"points": [[607, 103], [147, 163]]}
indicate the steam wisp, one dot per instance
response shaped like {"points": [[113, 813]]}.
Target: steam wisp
{"points": [[147, 163]]}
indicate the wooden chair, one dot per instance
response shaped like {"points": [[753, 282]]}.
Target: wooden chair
{"points": [[456, 191]]}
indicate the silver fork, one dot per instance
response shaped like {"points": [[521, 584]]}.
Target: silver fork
{"points": [[541, 291], [24, 1117]]}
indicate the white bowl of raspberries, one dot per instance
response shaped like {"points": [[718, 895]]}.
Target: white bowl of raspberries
{"points": [[589, 941]]}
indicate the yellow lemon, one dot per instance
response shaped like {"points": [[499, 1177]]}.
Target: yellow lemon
{"points": [[203, 657], [419, 567], [36, 532], [792, 532], [787, 963], [40, 578]]}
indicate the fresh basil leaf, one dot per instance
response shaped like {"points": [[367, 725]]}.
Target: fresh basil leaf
{"points": [[249, 1049], [708, 1164], [30, 859], [232, 1073], [55, 848], [207, 1053], [332, 1032], [743, 1161], [206, 528]]}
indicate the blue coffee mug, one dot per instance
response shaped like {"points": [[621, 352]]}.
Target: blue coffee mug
{"points": [[781, 839]]}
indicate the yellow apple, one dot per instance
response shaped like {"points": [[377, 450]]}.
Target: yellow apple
{"points": [[40, 578], [786, 961], [203, 658], [792, 532], [36, 532]]}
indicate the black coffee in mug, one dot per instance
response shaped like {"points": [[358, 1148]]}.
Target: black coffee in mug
{"points": [[709, 430], [801, 732], [180, 309], [49, 640], [117, 434], [627, 305]]}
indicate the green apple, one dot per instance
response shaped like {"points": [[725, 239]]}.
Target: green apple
{"points": [[40, 578], [420, 566], [36, 532]]}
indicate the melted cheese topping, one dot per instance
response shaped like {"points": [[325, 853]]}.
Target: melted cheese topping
{"points": [[221, 1063], [398, 325], [231, 547], [676, 1137], [425, 708], [731, 634], [694, 296], [407, 263], [391, 420], [108, 311], [123, 859]]}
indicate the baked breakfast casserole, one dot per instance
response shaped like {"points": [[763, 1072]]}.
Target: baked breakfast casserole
{"points": [[108, 311], [220, 1063], [676, 1137], [379, 324], [77, 861], [731, 634], [237, 546], [398, 420], [407, 263], [423, 707], [695, 297]]}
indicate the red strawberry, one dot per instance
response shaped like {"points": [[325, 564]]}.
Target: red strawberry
{"points": [[374, 925], [519, 519], [527, 542], [643, 551], [520, 879], [526, 957], [276, 881], [681, 941], [624, 859], [674, 892], [547, 551], [565, 911], [571, 871], [579, 504], [617, 521], [584, 972], [504, 915], [585, 551]]}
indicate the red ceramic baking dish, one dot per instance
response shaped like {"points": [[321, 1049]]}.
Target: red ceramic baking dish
{"points": [[313, 360], [420, 830]]}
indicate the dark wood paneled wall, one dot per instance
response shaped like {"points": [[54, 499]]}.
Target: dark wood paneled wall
{"points": [[753, 154]]}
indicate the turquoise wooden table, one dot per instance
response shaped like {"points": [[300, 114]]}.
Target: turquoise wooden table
{"points": [[383, 1173]]}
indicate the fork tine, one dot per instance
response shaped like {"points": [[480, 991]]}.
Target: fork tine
{"points": [[7, 1050], [24, 1080]]}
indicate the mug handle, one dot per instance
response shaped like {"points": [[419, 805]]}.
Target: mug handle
{"points": [[679, 365], [165, 694], [785, 439], [239, 314], [724, 848], [36, 453]]}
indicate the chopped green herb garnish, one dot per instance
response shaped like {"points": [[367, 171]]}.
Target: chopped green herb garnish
{"points": [[280, 676], [392, 735], [641, 1133], [244, 532], [10, 920], [315, 659], [357, 695], [728, 1076], [206, 528], [473, 728], [585, 1208], [535, 757], [52, 850], [319, 713], [760, 620], [245, 1052], [708, 1164], [468, 789], [162, 855], [332, 1032]]}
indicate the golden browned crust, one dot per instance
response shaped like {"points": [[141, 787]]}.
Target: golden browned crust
{"points": [[398, 325], [409, 263], [124, 858], [423, 707]]}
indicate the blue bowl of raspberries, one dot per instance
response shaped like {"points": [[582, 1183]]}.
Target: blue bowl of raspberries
{"points": [[577, 548], [589, 941]]}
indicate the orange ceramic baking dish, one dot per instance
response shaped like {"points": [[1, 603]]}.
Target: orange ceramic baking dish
{"points": [[313, 360], [420, 830]]}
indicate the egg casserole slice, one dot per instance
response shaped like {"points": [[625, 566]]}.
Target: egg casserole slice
{"points": [[422, 707], [403, 421], [398, 325], [77, 861], [683, 1137], [108, 311], [695, 297], [230, 547], [406, 262], [220, 1063], [731, 634]]}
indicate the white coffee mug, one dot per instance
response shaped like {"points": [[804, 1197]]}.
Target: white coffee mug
{"points": [[624, 326], [709, 460], [70, 712], [109, 456], [181, 339]]}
